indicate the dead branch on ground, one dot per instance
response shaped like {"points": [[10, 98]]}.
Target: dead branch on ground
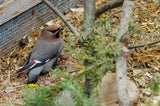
{"points": [[116, 12], [143, 45], [104, 7]]}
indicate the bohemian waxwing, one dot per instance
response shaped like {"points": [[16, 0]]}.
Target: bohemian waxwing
{"points": [[44, 53]]}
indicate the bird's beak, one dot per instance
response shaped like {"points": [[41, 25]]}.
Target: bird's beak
{"points": [[59, 30]]}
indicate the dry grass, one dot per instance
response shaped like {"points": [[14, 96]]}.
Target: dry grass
{"points": [[147, 60]]}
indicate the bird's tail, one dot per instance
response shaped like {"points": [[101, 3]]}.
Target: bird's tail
{"points": [[26, 67]]}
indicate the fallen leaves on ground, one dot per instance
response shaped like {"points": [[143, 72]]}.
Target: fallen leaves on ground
{"points": [[143, 63]]}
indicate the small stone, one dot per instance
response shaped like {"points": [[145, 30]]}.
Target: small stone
{"points": [[19, 102], [48, 83], [71, 67], [136, 72], [9, 89], [141, 82], [156, 68], [156, 1], [147, 91], [148, 75]]}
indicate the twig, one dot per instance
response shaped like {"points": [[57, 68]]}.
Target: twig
{"points": [[53, 8], [104, 7], [142, 45], [111, 102], [126, 34], [87, 86], [118, 11]]}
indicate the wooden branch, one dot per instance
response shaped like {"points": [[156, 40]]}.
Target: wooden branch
{"points": [[116, 12], [142, 45], [89, 17], [104, 7], [121, 65], [126, 34], [111, 102], [88, 86], [52, 7]]}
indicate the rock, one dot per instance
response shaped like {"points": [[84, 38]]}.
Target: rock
{"points": [[9, 89], [71, 67], [19, 102], [77, 11], [156, 1], [147, 91], [108, 90], [136, 72], [49, 83]]}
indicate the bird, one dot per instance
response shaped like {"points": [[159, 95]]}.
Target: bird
{"points": [[44, 54]]}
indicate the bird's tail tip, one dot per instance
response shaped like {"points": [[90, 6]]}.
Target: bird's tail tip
{"points": [[20, 71]]}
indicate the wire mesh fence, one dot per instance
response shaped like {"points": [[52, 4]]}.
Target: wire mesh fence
{"points": [[13, 30]]}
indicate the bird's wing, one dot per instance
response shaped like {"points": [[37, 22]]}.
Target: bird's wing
{"points": [[34, 63], [41, 54], [33, 75]]}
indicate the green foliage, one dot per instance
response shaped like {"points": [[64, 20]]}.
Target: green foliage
{"points": [[106, 24], [76, 91], [68, 48], [155, 86], [73, 86], [96, 54], [69, 45], [50, 96], [57, 73], [39, 98], [137, 29]]}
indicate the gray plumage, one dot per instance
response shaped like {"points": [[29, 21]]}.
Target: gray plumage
{"points": [[44, 53]]}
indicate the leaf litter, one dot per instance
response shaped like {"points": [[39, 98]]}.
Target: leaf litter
{"points": [[143, 63]]}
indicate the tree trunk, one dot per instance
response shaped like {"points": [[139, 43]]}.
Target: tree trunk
{"points": [[121, 65], [89, 16]]}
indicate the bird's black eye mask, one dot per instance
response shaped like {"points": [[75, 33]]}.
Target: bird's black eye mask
{"points": [[56, 31]]}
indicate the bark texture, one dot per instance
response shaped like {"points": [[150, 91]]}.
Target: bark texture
{"points": [[87, 28], [121, 66], [89, 16]]}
